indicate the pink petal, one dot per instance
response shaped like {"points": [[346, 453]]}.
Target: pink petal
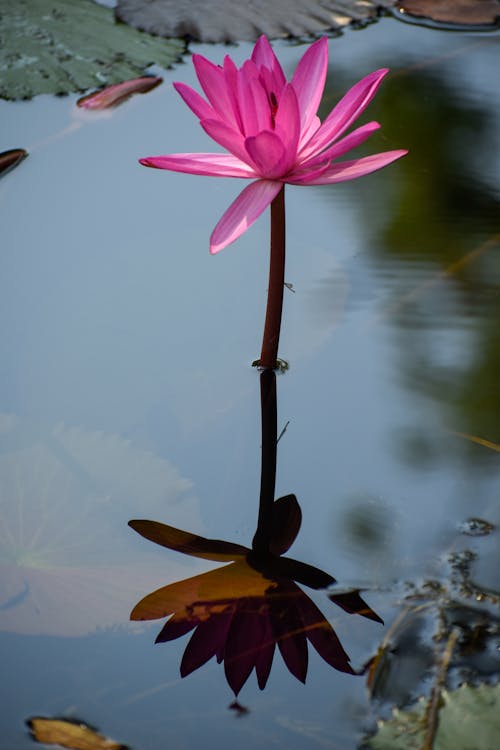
{"points": [[309, 131], [226, 136], [213, 82], [263, 56], [345, 112], [287, 124], [350, 170], [212, 165], [341, 147], [268, 154], [231, 74], [309, 80], [242, 213], [195, 102], [253, 104]]}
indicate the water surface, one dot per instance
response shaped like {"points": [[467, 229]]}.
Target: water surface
{"points": [[127, 387]]}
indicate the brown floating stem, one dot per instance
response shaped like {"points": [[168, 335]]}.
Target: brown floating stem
{"points": [[269, 412], [272, 325]]}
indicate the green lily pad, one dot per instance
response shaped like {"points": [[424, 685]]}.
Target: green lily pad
{"points": [[468, 720], [63, 46]]}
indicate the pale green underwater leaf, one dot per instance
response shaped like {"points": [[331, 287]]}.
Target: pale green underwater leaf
{"points": [[63, 46], [468, 720]]}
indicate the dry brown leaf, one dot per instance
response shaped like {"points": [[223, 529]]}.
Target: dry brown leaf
{"points": [[463, 12], [71, 734]]}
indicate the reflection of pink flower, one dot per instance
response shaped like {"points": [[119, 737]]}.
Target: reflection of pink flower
{"points": [[240, 612], [242, 628], [272, 132]]}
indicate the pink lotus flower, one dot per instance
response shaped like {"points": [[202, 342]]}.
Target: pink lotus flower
{"points": [[272, 132]]}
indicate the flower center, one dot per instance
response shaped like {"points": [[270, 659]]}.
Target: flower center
{"points": [[273, 103]]}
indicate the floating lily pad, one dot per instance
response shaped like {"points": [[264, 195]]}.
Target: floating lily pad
{"points": [[228, 21], [63, 46], [469, 718], [461, 12]]}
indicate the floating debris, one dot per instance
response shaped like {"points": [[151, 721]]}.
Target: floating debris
{"points": [[476, 527], [11, 159], [69, 733]]}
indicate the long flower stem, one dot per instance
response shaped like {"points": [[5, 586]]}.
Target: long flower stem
{"points": [[272, 325]]}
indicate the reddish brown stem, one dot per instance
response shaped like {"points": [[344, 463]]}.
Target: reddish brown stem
{"points": [[270, 340]]}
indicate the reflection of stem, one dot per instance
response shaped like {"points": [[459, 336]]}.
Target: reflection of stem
{"points": [[268, 466], [270, 340]]}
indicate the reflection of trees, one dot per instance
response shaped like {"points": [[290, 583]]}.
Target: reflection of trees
{"points": [[437, 247], [241, 612]]}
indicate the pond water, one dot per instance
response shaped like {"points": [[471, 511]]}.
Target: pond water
{"points": [[127, 389]]}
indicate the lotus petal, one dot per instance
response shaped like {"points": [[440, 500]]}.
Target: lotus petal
{"points": [[111, 96], [242, 213]]}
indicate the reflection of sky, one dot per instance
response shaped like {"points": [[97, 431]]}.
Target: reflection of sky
{"points": [[116, 319]]}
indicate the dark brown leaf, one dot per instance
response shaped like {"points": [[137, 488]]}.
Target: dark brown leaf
{"points": [[11, 159]]}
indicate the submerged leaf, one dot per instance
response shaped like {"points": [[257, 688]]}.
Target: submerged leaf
{"points": [[11, 159], [57, 47], [65, 570], [226, 21], [70, 734], [111, 96]]}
